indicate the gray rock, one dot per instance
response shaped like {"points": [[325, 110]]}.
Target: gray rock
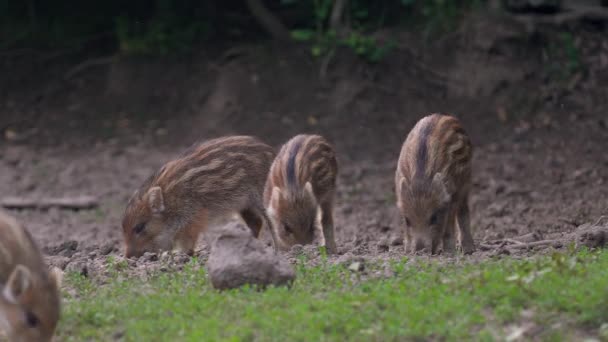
{"points": [[149, 256], [592, 236], [107, 249], [296, 249], [237, 259], [78, 266], [382, 245], [396, 240], [356, 266]]}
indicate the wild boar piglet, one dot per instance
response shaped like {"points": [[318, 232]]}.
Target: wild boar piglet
{"points": [[432, 182], [30, 300], [299, 193], [210, 181]]}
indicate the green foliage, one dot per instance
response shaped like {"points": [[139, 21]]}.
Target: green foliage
{"points": [[421, 300], [436, 16], [324, 41], [563, 57], [160, 36], [368, 47], [162, 27]]}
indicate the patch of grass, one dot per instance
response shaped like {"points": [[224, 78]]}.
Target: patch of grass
{"points": [[432, 299], [437, 17]]}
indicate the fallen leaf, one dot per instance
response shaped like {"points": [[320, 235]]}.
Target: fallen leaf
{"points": [[312, 120], [502, 114], [10, 135]]}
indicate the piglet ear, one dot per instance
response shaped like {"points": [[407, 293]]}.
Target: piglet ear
{"points": [[440, 187], [155, 200], [275, 197], [18, 283]]}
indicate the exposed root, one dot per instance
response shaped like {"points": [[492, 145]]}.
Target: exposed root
{"points": [[87, 64]]}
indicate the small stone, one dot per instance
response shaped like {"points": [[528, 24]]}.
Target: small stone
{"points": [[79, 267], [396, 240], [181, 258], [356, 266], [106, 249], [296, 249], [359, 240], [165, 256], [592, 236], [148, 256], [382, 245], [67, 249], [237, 259], [11, 135]]}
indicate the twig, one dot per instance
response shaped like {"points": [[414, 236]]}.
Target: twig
{"points": [[87, 64], [597, 223], [80, 202], [270, 22], [325, 64], [553, 243], [522, 245]]}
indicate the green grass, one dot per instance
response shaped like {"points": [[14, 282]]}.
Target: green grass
{"points": [[330, 303]]}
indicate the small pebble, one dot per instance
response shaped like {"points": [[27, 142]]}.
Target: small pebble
{"points": [[356, 266], [396, 241]]}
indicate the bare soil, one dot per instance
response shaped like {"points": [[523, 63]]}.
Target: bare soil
{"points": [[540, 159]]}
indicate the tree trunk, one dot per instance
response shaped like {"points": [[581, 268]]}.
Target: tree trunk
{"points": [[335, 21], [268, 20]]}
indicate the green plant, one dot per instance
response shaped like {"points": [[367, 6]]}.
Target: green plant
{"points": [[161, 35], [563, 57], [420, 300], [324, 40], [436, 16]]}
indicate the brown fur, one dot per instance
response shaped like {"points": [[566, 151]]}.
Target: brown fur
{"points": [[302, 181], [30, 300], [433, 181], [211, 180]]}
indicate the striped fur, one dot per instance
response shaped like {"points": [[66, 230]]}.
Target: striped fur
{"points": [[432, 183], [208, 181], [30, 301], [300, 191]]}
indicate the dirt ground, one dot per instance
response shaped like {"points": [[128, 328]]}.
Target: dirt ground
{"points": [[540, 159]]}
